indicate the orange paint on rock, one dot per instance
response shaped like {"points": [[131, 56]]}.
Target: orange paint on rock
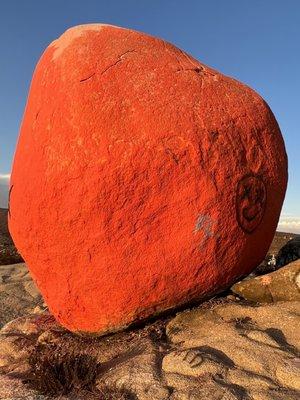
{"points": [[142, 179]]}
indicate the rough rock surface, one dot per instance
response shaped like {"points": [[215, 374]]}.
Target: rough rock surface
{"points": [[14, 389], [18, 293], [283, 284], [151, 181], [250, 352], [221, 350]]}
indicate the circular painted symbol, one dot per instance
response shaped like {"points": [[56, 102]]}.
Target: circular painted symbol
{"points": [[251, 199]]}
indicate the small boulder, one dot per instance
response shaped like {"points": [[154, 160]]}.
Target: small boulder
{"points": [[283, 284]]}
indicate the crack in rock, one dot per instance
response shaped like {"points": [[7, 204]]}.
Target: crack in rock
{"points": [[89, 77], [120, 58], [118, 61]]}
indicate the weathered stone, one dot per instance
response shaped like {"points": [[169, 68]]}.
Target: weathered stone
{"points": [[18, 293], [217, 351], [17, 341], [283, 284], [13, 389], [142, 179], [127, 363], [251, 352]]}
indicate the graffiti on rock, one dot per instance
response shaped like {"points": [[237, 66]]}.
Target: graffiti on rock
{"points": [[251, 197]]}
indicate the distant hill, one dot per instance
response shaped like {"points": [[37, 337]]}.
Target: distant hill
{"points": [[4, 233], [280, 239], [8, 252]]}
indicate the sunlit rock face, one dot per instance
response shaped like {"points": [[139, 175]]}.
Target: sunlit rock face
{"points": [[142, 179]]}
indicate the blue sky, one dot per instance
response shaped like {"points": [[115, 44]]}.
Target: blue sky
{"points": [[257, 42]]}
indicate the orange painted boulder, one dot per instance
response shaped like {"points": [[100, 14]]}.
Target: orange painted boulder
{"points": [[142, 179]]}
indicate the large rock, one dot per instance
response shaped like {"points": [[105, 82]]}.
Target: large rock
{"points": [[142, 179]]}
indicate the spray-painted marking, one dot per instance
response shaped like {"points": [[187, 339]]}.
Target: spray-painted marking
{"points": [[205, 224]]}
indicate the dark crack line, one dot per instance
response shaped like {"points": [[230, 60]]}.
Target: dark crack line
{"points": [[118, 61], [120, 58], [198, 70], [172, 155], [89, 77], [110, 66]]}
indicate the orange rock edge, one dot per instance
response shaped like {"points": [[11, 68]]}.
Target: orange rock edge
{"points": [[142, 179]]}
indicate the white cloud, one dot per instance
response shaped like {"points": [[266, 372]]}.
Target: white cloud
{"points": [[285, 215], [289, 223], [4, 181]]}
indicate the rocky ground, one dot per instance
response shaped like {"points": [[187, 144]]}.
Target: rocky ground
{"points": [[243, 344], [18, 293], [223, 349]]}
